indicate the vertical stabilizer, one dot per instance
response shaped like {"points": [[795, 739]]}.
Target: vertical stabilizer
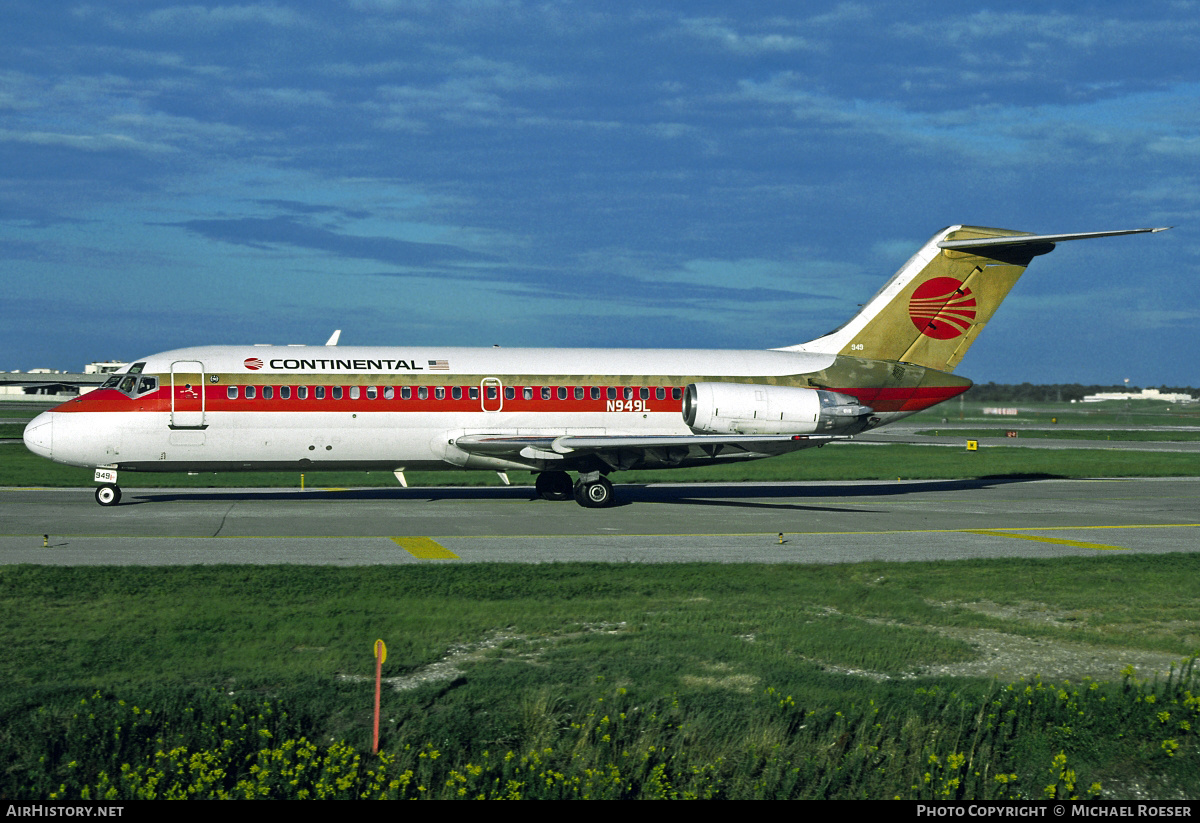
{"points": [[932, 310]]}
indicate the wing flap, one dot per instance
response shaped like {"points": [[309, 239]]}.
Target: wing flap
{"points": [[559, 446]]}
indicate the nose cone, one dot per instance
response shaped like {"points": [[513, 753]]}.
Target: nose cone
{"points": [[39, 435]]}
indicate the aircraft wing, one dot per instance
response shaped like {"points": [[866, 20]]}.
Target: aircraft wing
{"points": [[628, 451]]}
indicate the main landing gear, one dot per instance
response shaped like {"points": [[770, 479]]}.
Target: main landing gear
{"points": [[592, 490], [108, 495], [553, 485]]}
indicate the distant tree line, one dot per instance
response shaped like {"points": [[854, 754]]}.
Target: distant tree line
{"points": [[1052, 392]]}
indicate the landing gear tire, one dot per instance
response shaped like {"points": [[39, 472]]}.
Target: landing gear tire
{"points": [[595, 495], [108, 494], [553, 485]]}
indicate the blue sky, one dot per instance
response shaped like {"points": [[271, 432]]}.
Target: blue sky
{"points": [[698, 174]]}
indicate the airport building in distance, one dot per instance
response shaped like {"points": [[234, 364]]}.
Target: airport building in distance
{"points": [[1144, 394]]}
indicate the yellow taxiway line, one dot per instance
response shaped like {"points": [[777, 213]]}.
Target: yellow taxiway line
{"points": [[1057, 540]]}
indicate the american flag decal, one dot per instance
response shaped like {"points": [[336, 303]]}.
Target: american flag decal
{"points": [[439, 365]]}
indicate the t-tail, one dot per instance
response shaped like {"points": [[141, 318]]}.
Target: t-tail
{"points": [[932, 310]]}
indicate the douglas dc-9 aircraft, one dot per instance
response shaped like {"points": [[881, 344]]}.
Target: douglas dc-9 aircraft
{"points": [[547, 411]]}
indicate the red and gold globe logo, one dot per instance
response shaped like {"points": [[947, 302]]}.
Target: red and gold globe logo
{"points": [[942, 308], [253, 363]]}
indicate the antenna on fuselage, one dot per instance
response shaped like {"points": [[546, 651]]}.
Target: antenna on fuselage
{"points": [[332, 341]]}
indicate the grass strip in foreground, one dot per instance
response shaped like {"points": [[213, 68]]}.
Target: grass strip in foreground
{"points": [[596, 680]]}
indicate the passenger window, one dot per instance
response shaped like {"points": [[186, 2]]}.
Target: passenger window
{"points": [[660, 393], [372, 393], [285, 392], [492, 392], [676, 393], [268, 392], [250, 391], [612, 392], [422, 392], [628, 392], [545, 392], [509, 394], [406, 392], [231, 392], [320, 392], [562, 392], [473, 393], [354, 392], [302, 393], [337, 392], [456, 392], [595, 392], [579, 392], [439, 393], [527, 392], [644, 393]]}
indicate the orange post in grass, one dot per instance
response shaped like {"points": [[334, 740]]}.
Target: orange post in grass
{"points": [[380, 656]]}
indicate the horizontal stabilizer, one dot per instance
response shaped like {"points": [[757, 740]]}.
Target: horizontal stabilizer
{"points": [[1036, 239]]}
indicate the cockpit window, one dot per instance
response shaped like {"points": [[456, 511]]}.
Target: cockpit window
{"points": [[136, 368], [131, 384]]}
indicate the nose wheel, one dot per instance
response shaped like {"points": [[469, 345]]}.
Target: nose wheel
{"points": [[108, 495]]}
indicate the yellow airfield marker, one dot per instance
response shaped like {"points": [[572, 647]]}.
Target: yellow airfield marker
{"points": [[424, 548]]}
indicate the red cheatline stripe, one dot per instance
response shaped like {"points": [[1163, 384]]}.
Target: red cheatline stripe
{"points": [[108, 400]]}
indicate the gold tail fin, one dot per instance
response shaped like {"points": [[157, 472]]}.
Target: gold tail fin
{"points": [[932, 310]]}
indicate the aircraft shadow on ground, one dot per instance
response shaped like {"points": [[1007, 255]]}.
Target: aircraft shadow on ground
{"points": [[726, 495], [712, 494]]}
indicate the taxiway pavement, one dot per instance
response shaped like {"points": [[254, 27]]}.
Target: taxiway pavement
{"points": [[820, 522]]}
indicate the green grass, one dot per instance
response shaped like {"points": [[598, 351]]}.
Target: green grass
{"points": [[839, 461], [1070, 434], [22, 413], [1140, 413], [680, 680]]}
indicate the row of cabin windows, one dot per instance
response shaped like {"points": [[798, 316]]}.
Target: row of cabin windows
{"points": [[455, 392]]}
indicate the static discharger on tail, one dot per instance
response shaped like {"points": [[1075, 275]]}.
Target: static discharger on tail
{"points": [[552, 412]]}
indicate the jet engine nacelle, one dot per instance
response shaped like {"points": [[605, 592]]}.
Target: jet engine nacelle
{"points": [[746, 408]]}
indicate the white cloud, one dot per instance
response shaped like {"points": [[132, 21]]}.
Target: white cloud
{"points": [[83, 142], [192, 18], [719, 32]]}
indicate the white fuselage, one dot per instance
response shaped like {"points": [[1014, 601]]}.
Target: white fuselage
{"points": [[200, 418]]}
